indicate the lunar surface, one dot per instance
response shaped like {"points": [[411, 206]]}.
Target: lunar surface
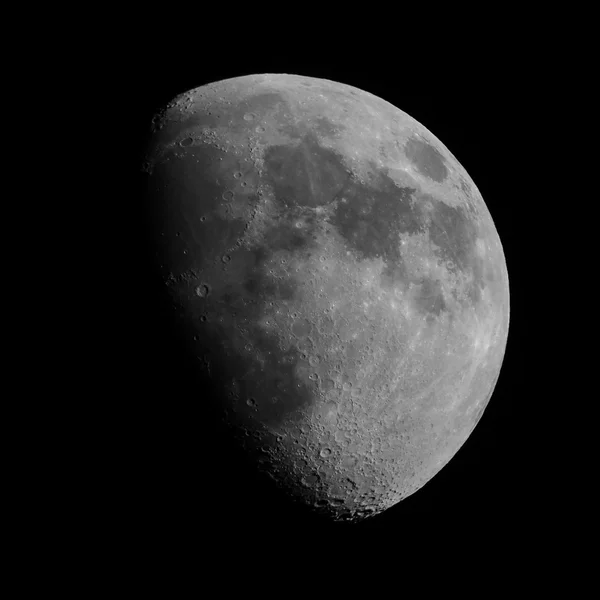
{"points": [[339, 278]]}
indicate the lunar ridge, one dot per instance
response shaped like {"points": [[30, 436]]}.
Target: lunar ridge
{"points": [[339, 278]]}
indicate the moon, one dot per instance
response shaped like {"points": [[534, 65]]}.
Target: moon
{"points": [[339, 279]]}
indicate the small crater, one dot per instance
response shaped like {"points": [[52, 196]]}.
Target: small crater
{"points": [[187, 142], [249, 116], [237, 174], [226, 258], [251, 402], [203, 290], [228, 195]]}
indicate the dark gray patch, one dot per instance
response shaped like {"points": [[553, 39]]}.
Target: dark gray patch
{"points": [[453, 232], [281, 380], [180, 193], [371, 216], [304, 175], [430, 298], [426, 158], [286, 236], [234, 310], [263, 288], [256, 284], [274, 377]]}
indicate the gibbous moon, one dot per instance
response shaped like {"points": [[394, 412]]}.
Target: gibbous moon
{"points": [[338, 276]]}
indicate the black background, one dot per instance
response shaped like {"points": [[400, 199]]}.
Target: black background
{"points": [[180, 486]]}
